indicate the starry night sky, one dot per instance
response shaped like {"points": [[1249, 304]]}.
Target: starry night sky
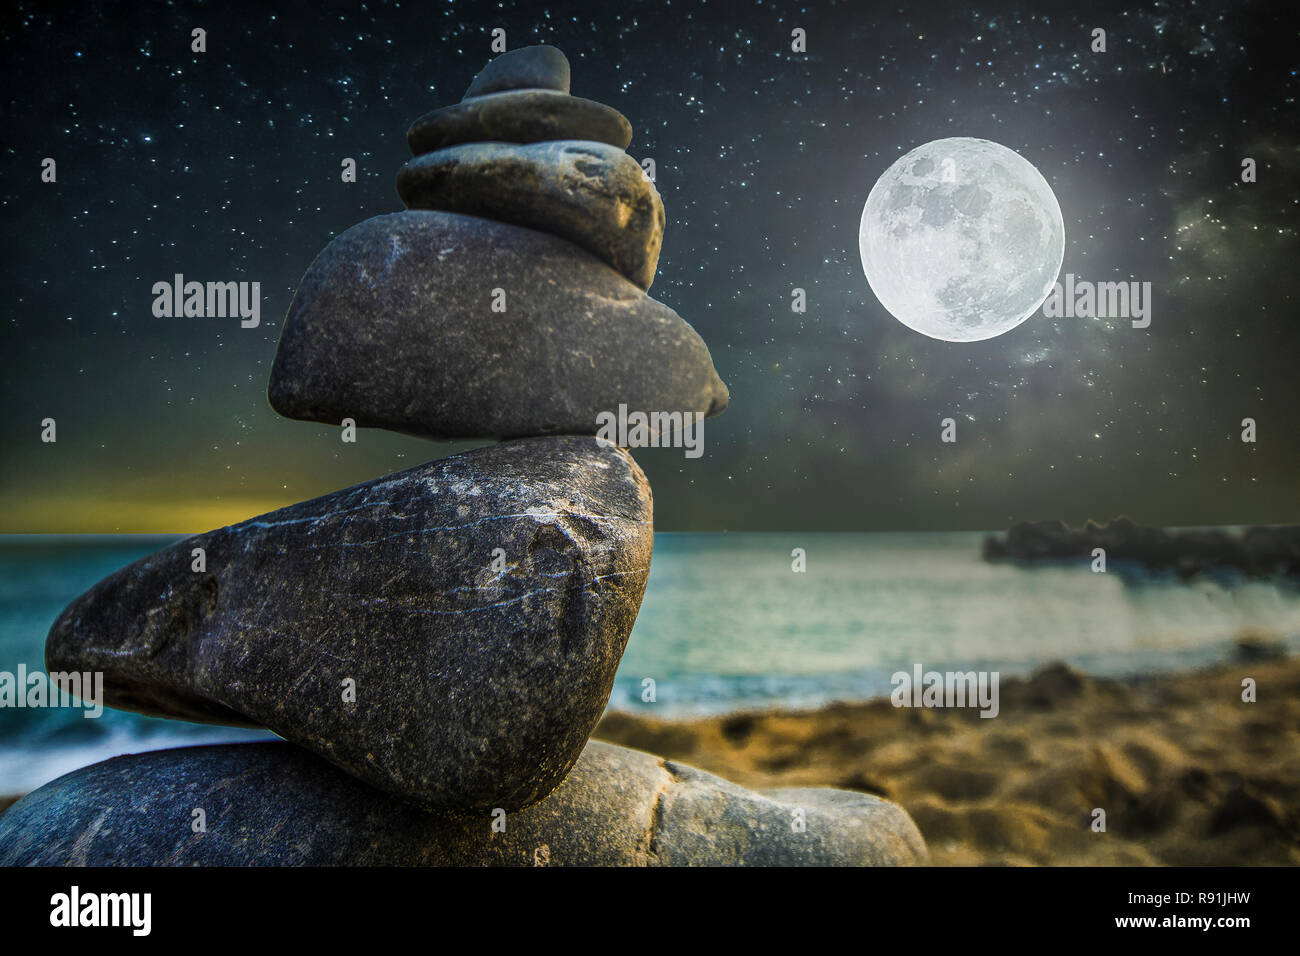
{"points": [[224, 166]]}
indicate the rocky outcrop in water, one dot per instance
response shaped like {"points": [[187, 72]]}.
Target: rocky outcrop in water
{"points": [[1258, 552]]}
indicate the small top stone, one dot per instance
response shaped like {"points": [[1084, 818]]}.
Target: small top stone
{"points": [[530, 67]]}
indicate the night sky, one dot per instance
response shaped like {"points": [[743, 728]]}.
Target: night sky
{"points": [[225, 166]]}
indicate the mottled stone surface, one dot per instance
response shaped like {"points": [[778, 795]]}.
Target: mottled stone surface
{"points": [[393, 326], [271, 804], [520, 116], [529, 67], [590, 193], [475, 687], [707, 820]]}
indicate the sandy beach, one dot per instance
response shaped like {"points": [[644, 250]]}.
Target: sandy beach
{"points": [[1187, 773]]}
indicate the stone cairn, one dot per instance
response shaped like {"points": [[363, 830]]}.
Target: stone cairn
{"points": [[437, 645]]}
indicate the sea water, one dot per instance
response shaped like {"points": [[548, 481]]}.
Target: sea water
{"points": [[728, 623]]}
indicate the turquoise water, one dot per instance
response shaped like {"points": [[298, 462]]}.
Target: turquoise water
{"points": [[726, 624]]}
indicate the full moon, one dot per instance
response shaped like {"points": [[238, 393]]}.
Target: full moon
{"points": [[961, 239]]}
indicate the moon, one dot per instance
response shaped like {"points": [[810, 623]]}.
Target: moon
{"points": [[961, 239]]}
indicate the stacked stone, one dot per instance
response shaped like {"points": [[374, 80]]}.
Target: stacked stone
{"points": [[445, 637], [509, 299]]}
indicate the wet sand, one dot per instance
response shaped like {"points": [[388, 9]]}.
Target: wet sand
{"points": [[1187, 773]]}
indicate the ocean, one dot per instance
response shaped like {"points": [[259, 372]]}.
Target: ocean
{"points": [[726, 625]]}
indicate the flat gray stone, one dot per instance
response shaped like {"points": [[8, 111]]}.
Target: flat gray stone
{"points": [[520, 116], [707, 820], [590, 193], [529, 67], [474, 687], [393, 326], [270, 804]]}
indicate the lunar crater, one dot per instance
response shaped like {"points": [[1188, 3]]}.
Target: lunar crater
{"points": [[961, 239]]}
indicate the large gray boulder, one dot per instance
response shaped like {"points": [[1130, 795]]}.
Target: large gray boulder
{"points": [[475, 607], [395, 325], [519, 116], [273, 805], [590, 193]]}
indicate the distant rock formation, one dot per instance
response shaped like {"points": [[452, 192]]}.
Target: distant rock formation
{"points": [[1257, 552]]}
